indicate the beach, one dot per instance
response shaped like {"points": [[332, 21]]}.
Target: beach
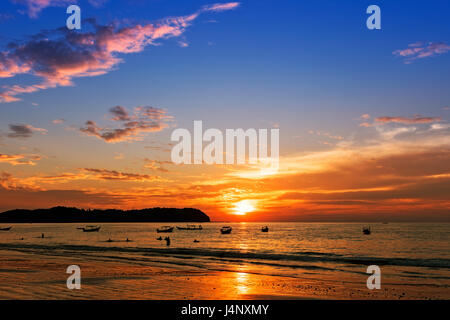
{"points": [[145, 268]]}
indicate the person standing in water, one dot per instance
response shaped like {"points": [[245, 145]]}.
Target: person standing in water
{"points": [[167, 241]]}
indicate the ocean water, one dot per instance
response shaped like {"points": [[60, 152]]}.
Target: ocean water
{"points": [[412, 253]]}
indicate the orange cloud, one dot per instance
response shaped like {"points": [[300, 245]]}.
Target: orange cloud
{"points": [[104, 174], [405, 177], [405, 120], [156, 165], [19, 159], [89, 174]]}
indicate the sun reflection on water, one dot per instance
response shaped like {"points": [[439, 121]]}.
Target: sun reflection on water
{"points": [[242, 282]]}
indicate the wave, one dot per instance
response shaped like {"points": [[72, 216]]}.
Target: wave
{"points": [[240, 256]]}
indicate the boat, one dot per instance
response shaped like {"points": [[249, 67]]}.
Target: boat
{"points": [[165, 229], [91, 229], [190, 227], [265, 229], [226, 230], [5, 229], [366, 230]]}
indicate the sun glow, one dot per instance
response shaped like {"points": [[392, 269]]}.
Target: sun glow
{"points": [[243, 207]]}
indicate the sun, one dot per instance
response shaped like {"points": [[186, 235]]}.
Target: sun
{"points": [[243, 207]]}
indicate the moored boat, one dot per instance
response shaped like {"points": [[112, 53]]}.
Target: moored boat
{"points": [[226, 230], [91, 229], [165, 229], [265, 229], [366, 230], [5, 229]]}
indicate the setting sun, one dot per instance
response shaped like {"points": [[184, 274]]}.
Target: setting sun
{"points": [[243, 207]]}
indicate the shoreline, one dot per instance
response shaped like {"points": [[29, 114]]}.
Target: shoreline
{"points": [[42, 276]]}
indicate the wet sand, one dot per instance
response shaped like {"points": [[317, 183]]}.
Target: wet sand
{"points": [[32, 276]]}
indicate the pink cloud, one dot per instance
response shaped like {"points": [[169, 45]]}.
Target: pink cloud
{"points": [[420, 51], [59, 56], [34, 7], [221, 6]]}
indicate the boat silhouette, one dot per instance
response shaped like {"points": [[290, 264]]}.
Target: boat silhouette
{"points": [[164, 229], [226, 230]]}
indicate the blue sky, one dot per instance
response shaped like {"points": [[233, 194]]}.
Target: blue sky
{"points": [[299, 57]]}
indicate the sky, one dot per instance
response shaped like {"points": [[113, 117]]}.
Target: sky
{"points": [[86, 115]]}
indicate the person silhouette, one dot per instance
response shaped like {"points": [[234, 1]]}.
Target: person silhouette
{"points": [[167, 241]]}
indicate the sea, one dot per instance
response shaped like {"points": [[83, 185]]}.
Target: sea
{"points": [[414, 253]]}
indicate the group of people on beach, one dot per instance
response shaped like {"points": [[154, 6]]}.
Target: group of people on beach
{"points": [[167, 239]]}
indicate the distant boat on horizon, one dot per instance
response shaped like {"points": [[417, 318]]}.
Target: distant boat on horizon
{"points": [[226, 230], [190, 227], [366, 230], [265, 229], [164, 229], [5, 229]]}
